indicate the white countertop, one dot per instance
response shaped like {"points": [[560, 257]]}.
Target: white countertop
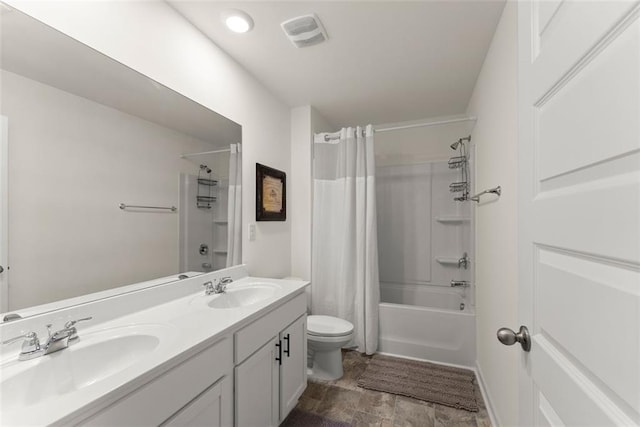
{"points": [[186, 325]]}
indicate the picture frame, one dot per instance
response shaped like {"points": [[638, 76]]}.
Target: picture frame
{"points": [[271, 194]]}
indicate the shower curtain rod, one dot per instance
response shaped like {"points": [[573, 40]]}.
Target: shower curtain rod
{"points": [[224, 150], [425, 124], [336, 135]]}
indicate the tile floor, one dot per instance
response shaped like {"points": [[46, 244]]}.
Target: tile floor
{"points": [[342, 400]]}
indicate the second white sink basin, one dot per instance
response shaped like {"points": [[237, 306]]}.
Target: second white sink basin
{"points": [[243, 297], [240, 295], [94, 357]]}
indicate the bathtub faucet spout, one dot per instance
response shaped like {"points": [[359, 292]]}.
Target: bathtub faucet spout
{"points": [[458, 283]]}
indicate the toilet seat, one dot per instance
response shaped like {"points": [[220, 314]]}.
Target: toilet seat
{"points": [[328, 326]]}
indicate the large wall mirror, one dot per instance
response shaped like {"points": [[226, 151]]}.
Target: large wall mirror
{"points": [[98, 155]]}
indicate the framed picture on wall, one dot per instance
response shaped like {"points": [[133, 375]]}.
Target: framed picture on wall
{"points": [[271, 194]]}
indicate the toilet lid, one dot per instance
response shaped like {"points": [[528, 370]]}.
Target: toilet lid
{"points": [[328, 326]]}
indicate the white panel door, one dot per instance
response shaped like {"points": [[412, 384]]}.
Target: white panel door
{"points": [[579, 163], [4, 210]]}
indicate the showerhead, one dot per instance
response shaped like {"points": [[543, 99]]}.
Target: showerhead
{"points": [[455, 145]]}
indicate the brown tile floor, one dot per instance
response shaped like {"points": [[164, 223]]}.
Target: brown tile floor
{"points": [[342, 400]]}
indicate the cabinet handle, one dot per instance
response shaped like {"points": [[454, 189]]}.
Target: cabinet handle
{"points": [[279, 358], [288, 345]]}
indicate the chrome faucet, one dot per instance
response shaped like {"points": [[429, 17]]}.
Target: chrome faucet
{"points": [[56, 341], [218, 286], [221, 287]]}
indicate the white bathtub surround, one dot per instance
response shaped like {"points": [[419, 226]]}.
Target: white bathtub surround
{"points": [[437, 330], [423, 235], [234, 207], [345, 243], [164, 317], [422, 231]]}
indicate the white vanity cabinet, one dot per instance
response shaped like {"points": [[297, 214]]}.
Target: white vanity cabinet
{"points": [[293, 370], [213, 408], [270, 373], [197, 391]]}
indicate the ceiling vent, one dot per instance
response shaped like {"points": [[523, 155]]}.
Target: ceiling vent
{"points": [[304, 30]]}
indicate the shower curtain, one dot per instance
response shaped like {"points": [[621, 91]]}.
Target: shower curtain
{"points": [[344, 274], [234, 208]]}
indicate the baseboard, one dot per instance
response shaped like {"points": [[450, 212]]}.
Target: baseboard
{"points": [[400, 356], [486, 396]]}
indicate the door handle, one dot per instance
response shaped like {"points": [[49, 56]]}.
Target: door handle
{"points": [[279, 358], [288, 345], [1, 269], [508, 337]]}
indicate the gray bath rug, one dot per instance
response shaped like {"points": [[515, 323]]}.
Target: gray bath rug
{"points": [[298, 418], [444, 385]]}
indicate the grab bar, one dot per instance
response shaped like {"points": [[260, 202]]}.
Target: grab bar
{"points": [[172, 208], [496, 190]]}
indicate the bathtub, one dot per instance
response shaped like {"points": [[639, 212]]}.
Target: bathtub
{"points": [[427, 322]]}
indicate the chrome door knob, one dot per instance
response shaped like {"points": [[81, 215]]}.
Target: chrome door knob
{"points": [[1, 269], [507, 337]]}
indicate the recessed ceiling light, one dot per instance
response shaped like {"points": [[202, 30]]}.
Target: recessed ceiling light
{"points": [[237, 21]]}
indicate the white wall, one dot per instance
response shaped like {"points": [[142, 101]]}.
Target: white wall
{"points": [[150, 37], [73, 161], [305, 121], [494, 102]]}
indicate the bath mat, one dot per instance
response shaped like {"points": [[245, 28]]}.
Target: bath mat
{"points": [[444, 385], [298, 418]]}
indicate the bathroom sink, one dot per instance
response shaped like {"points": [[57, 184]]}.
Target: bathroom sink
{"points": [[95, 357], [244, 295]]}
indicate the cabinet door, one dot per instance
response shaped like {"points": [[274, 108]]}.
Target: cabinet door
{"points": [[293, 371], [214, 407], [257, 388]]}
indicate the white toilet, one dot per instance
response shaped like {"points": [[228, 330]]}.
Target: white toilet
{"points": [[326, 335]]}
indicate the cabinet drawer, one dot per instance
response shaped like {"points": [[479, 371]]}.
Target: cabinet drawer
{"points": [[253, 336], [160, 398]]}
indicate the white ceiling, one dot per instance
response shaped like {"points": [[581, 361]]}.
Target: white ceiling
{"points": [[385, 61]]}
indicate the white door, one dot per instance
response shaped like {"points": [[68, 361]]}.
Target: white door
{"points": [[579, 234], [4, 220], [293, 371]]}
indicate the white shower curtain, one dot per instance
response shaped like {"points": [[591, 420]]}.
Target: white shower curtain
{"points": [[234, 208], [344, 274]]}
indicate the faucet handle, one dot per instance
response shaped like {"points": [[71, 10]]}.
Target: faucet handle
{"points": [[26, 337], [30, 345], [208, 287], [226, 280], [70, 323]]}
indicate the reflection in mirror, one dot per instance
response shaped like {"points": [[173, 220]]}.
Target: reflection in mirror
{"points": [[89, 140]]}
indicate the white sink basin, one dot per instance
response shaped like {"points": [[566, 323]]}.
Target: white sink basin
{"points": [[242, 295], [95, 357]]}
